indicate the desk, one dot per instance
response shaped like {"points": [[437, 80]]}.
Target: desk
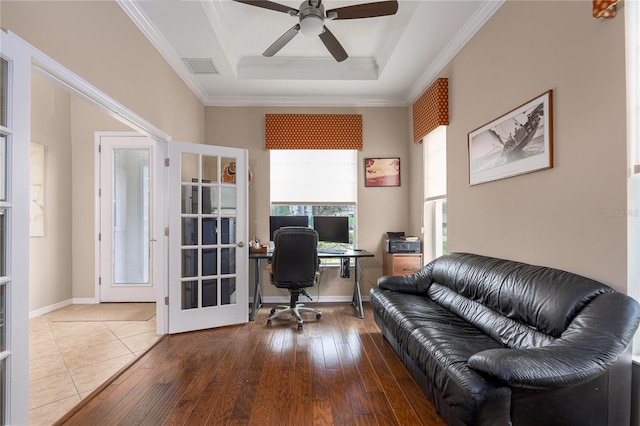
{"points": [[356, 300]]}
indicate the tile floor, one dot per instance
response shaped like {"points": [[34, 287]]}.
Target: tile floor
{"points": [[68, 360]]}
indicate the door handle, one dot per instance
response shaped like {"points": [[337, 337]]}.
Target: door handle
{"points": [[240, 244]]}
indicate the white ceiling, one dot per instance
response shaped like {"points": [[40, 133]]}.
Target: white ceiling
{"points": [[392, 59]]}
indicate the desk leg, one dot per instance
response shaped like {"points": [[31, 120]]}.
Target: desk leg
{"points": [[256, 293], [357, 297]]}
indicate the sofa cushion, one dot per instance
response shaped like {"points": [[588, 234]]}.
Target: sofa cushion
{"points": [[503, 329], [544, 298], [440, 343]]}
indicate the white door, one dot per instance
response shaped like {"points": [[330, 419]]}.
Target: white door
{"points": [[15, 114], [208, 254], [127, 173]]}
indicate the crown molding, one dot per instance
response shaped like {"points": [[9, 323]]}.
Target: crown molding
{"points": [[132, 10], [160, 43], [294, 68], [284, 101], [484, 13]]}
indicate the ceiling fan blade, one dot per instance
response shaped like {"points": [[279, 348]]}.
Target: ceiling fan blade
{"points": [[365, 10], [269, 5], [333, 45], [284, 39]]}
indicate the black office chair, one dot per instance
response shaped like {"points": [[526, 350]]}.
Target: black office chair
{"points": [[294, 266]]}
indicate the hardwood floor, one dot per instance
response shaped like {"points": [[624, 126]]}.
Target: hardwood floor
{"points": [[337, 371]]}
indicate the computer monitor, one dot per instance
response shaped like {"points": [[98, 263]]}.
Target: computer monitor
{"points": [[277, 222], [334, 229]]}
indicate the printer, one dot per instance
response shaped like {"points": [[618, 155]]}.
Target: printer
{"points": [[398, 243]]}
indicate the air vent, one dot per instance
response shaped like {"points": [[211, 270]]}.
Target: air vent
{"points": [[200, 65]]}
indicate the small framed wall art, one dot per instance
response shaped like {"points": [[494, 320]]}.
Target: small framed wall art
{"points": [[518, 142], [382, 171]]}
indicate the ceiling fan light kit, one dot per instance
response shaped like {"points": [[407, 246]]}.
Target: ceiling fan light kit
{"points": [[311, 17]]}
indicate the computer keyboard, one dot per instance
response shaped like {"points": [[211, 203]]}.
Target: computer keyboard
{"points": [[331, 251]]}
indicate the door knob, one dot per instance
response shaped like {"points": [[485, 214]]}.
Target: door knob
{"points": [[240, 244]]}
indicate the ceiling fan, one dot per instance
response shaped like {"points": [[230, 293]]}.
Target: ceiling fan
{"points": [[312, 15]]}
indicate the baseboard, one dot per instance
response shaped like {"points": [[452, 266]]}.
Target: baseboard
{"points": [[41, 311], [85, 300]]}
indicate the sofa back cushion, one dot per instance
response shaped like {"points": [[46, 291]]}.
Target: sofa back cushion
{"points": [[545, 299]]}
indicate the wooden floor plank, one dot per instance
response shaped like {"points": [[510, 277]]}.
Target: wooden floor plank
{"points": [[337, 370]]}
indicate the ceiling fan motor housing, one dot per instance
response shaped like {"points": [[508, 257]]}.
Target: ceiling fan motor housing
{"points": [[311, 18]]}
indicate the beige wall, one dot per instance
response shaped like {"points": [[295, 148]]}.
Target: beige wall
{"points": [[97, 41], [85, 121], [555, 217], [50, 255], [385, 134]]}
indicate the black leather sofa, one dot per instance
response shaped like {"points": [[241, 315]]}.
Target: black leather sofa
{"points": [[498, 342]]}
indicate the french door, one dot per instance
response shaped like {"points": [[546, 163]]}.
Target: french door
{"points": [[208, 254], [127, 176], [15, 111]]}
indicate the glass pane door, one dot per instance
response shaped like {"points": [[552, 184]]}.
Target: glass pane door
{"points": [[208, 231], [15, 150], [126, 218], [4, 280], [131, 216], [210, 280]]}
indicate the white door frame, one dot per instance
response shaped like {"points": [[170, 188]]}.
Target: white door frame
{"points": [[128, 294], [54, 71], [18, 152]]}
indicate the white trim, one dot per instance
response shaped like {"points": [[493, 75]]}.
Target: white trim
{"points": [[283, 67], [107, 291], [215, 16], [213, 12], [42, 311], [305, 101], [162, 46], [484, 13], [17, 225], [85, 301], [49, 68]]}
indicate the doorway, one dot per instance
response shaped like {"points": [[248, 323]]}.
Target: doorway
{"points": [[126, 194]]}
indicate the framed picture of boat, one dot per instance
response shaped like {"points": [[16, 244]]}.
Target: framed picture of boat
{"points": [[518, 142]]}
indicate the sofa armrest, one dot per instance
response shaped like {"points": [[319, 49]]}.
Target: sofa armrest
{"points": [[594, 340], [416, 283]]}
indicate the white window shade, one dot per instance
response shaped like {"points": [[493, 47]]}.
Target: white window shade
{"points": [[435, 146], [313, 176]]}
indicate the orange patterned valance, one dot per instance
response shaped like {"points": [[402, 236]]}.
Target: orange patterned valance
{"points": [[604, 8], [431, 109], [313, 131]]}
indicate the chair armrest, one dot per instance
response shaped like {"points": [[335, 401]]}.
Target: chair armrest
{"points": [[594, 340], [416, 283]]}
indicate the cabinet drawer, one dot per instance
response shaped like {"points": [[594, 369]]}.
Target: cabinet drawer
{"points": [[406, 264]]}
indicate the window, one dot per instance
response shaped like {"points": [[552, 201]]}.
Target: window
{"points": [[435, 192], [315, 183]]}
